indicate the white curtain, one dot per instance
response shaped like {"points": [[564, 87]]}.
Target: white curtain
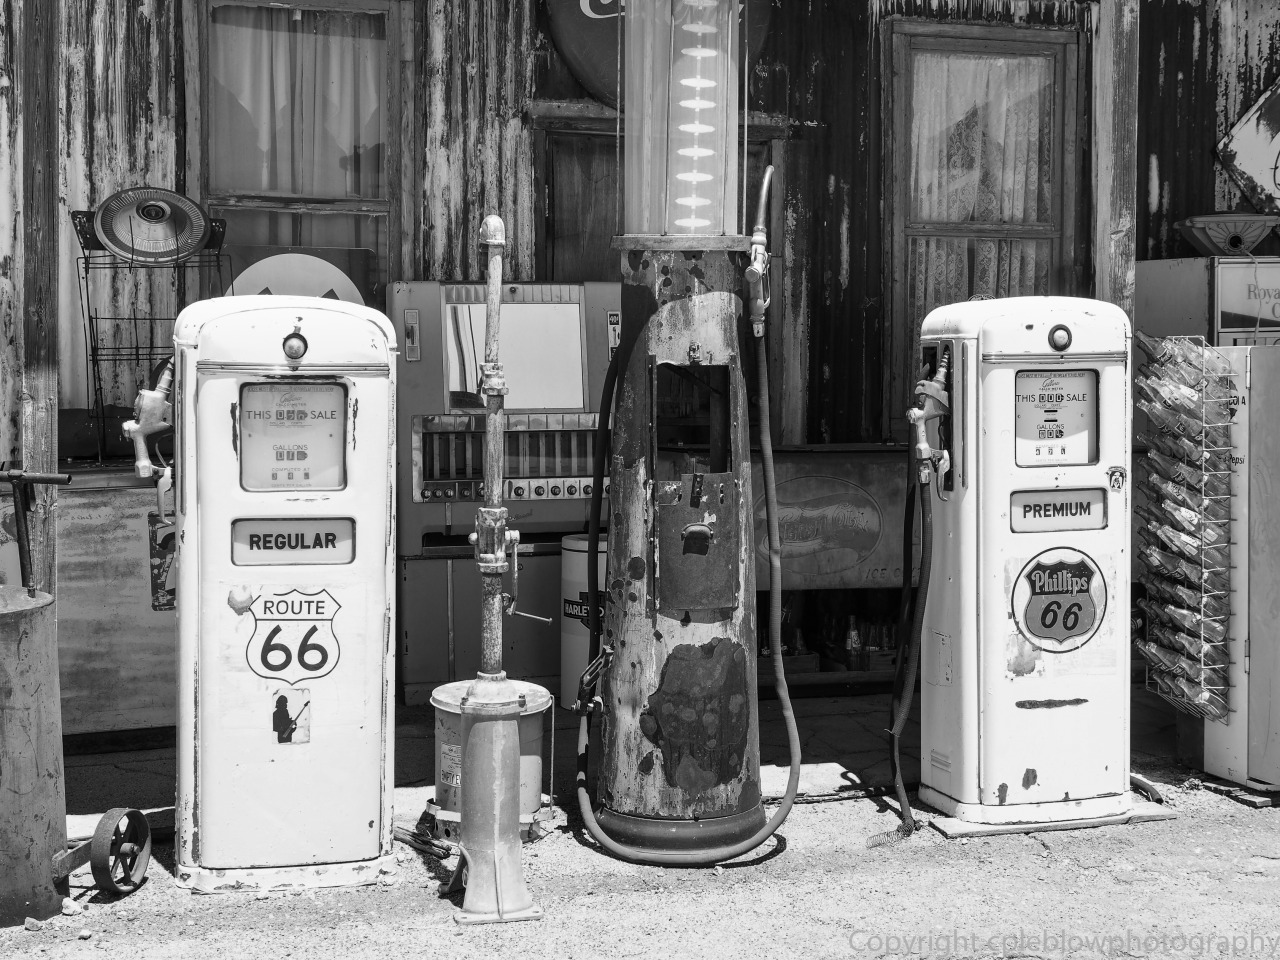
{"points": [[981, 153], [296, 110], [297, 102]]}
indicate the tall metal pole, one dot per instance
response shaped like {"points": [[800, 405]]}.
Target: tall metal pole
{"points": [[492, 543], [489, 862]]}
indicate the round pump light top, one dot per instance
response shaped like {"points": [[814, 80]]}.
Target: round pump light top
{"points": [[1060, 337], [295, 345]]}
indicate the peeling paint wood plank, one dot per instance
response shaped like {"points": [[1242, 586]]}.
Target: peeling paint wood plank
{"points": [[39, 45], [117, 92], [11, 226], [477, 146], [1115, 136]]}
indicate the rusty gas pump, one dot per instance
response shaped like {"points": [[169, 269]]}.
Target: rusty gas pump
{"points": [[674, 680]]}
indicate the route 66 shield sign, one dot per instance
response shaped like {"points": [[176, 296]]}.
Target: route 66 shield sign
{"points": [[293, 636], [1059, 600]]}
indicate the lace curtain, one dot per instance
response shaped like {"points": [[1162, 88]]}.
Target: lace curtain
{"points": [[296, 103], [296, 111], [981, 153]]}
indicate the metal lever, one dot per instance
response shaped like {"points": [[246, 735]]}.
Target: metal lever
{"points": [[163, 485], [513, 543], [153, 415], [20, 482]]}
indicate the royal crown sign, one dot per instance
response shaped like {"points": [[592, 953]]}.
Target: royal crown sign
{"points": [[1250, 152]]}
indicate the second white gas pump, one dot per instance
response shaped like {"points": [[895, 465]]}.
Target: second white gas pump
{"points": [[286, 453], [1024, 646]]}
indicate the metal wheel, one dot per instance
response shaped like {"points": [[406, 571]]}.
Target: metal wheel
{"points": [[120, 851]]}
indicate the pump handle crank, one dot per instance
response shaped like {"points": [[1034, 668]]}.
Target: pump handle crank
{"points": [[513, 543], [20, 482]]}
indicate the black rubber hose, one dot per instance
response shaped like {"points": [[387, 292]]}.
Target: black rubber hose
{"points": [[904, 692], [597, 495]]}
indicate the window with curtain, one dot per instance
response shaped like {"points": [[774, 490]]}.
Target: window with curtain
{"points": [[982, 178], [298, 115]]}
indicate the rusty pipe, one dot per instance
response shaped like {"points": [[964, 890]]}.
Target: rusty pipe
{"points": [[491, 520]]}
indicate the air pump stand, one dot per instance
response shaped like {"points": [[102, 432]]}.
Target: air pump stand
{"points": [[489, 862]]}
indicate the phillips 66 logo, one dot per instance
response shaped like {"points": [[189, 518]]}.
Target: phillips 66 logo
{"points": [[293, 636], [1059, 600]]}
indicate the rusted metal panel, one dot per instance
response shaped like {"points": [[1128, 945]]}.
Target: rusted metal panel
{"points": [[10, 232], [118, 128], [840, 514], [1202, 65], [1246, 37], [1177, 93], [478, 148], [118, 662]]}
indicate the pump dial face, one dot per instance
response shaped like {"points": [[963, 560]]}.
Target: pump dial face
{"points": [[1055, 417]]}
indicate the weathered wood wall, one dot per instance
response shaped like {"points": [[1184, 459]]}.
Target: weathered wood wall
{"points": [[822, 67], [118, 128], [1203, 64], [477, 143], [10, 231], [479, 65]]}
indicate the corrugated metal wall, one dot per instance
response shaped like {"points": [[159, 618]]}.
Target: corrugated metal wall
{"points": [[822, 67], [1203, 64]]}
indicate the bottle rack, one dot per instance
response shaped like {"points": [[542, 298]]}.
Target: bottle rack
{"points": [[112, 341], [1184, 528]]}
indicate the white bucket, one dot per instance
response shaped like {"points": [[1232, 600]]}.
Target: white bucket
{"points": [[575, 625], [447, 803]]}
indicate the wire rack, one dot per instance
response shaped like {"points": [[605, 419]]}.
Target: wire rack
{"points": [[1184, 533], [129, 346]]}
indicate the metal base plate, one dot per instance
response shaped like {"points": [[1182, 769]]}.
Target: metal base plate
{"points": [[1251, 793], [533, 913], [1021, 813], [649, 833], [262, 879], [981, 820], [1141, 812]]}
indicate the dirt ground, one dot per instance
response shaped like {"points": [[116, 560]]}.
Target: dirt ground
{"points": [[1206, 884]]}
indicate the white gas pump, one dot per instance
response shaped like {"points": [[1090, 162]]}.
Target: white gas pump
{"points": [[285, 453], [1024, 652]]}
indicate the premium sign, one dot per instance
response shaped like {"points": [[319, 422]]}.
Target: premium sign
{"points": [[290, 542], [1055, 417], [1037, 511]]}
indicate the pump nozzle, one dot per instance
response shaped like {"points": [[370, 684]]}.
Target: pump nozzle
{"points": [[757, 272], [153, 415], [933, 402]]}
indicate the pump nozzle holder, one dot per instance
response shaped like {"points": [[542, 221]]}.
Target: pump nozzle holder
{"points": [[152, 416], [933, 402]]}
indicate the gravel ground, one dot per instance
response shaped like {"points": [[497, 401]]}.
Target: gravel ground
{"points": [[1206, 884]]}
